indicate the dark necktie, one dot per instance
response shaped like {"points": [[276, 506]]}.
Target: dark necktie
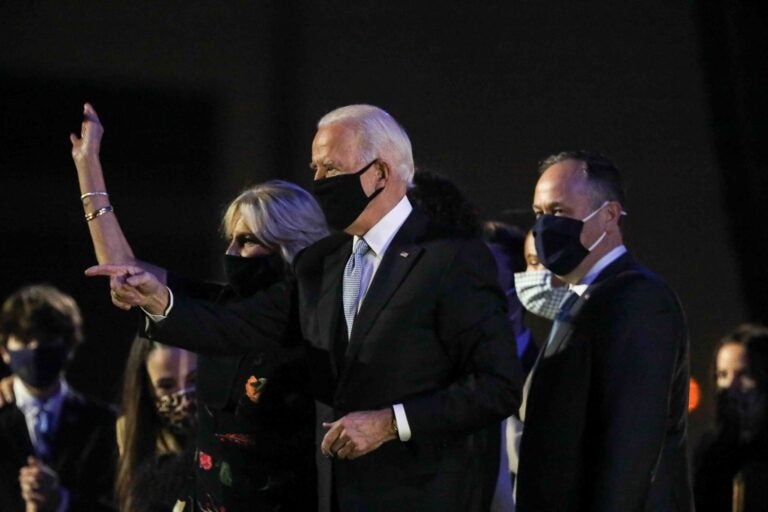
{"points": [[562, 320], [44, 431]]}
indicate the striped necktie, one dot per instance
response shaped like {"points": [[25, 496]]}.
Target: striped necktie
{"points": [[353, 272]]}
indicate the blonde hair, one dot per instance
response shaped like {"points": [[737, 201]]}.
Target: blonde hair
{"points": [[282, 215], [377, 133]]}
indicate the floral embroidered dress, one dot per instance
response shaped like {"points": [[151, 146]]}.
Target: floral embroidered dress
{"points": [[255, 447]]}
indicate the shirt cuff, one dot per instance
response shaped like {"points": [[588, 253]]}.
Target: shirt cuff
{"points": [[160, 318], [403, 429]]}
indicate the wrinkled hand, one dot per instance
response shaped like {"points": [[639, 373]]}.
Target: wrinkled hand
{"points": [[39, 485], [357, 433], [132, 286], [89, 142], [7, 396]]}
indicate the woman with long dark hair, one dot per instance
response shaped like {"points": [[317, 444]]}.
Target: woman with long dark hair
{"points": [[155, 430], [731, 461]]}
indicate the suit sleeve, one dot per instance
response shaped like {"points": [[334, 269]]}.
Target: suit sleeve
{"points": [[472, 326], [258, 322], [637, 356], [88, 473]]}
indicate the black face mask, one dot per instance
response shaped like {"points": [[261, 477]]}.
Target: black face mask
{"points": [[342, 198], [246, 276], [39, 367], [742, 412], [558, 242]]}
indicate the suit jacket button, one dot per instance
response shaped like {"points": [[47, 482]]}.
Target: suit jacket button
{"points": [[258, 359]]}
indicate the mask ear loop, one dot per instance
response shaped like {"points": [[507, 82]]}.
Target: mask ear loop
{"points": [[585, 219], [597, 242]]}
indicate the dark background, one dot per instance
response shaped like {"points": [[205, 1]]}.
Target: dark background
{"points": [[200, 99]]}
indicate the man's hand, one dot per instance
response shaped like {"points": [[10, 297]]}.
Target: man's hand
{"points": [[7, 396], [89, 142], [39, 485], [132, 286], [358, 433]]}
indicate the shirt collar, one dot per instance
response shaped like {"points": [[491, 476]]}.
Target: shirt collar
{"points": [[380, 236], [26, 402], [598, 267]]}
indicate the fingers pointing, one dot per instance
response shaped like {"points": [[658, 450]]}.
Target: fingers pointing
{"points": [[110, 270]]}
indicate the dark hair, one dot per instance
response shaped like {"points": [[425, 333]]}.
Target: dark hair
{"points": [[141, 423], [41, 312], [754, 338], [510, 239], [444, 202], [603, 177]]}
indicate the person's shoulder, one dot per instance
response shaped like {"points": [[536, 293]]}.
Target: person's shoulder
{"points": [[311, 257], [456, 246], [423, 228], [631, 295], [428, 232], [628, 279], [640, 282]]}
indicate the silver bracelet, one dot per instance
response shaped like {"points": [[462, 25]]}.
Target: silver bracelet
{"points": [[98, 213], [89, 194]]}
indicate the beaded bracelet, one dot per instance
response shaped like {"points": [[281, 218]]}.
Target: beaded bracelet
{"points": [[89, 194], [98, 213]]}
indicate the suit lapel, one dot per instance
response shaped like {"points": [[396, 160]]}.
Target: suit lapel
{"points": [[67, 433], [14, 430], [329, 300], [563, 327], [563, 330], [398, 260]]}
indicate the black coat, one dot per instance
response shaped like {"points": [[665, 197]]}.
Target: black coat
{"points": [[84, 454], [719, 457], [431, 334], [606, 416], [254, 449]]}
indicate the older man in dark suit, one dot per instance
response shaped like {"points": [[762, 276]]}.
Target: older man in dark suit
{"points": [[405, 327], [57, 446], [606, 405]]}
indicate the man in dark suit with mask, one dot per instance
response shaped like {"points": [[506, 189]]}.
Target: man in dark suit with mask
{"points": [[605, 408], [405, 327], [57, 446]]}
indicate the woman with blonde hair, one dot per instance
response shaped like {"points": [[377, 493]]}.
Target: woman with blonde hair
{"points": [[255, 431]]}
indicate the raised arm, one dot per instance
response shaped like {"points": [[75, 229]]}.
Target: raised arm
{"points": [[109, 242]]}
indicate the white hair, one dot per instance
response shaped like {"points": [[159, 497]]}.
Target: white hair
{"points": [[377, 133], [281, 214]]}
